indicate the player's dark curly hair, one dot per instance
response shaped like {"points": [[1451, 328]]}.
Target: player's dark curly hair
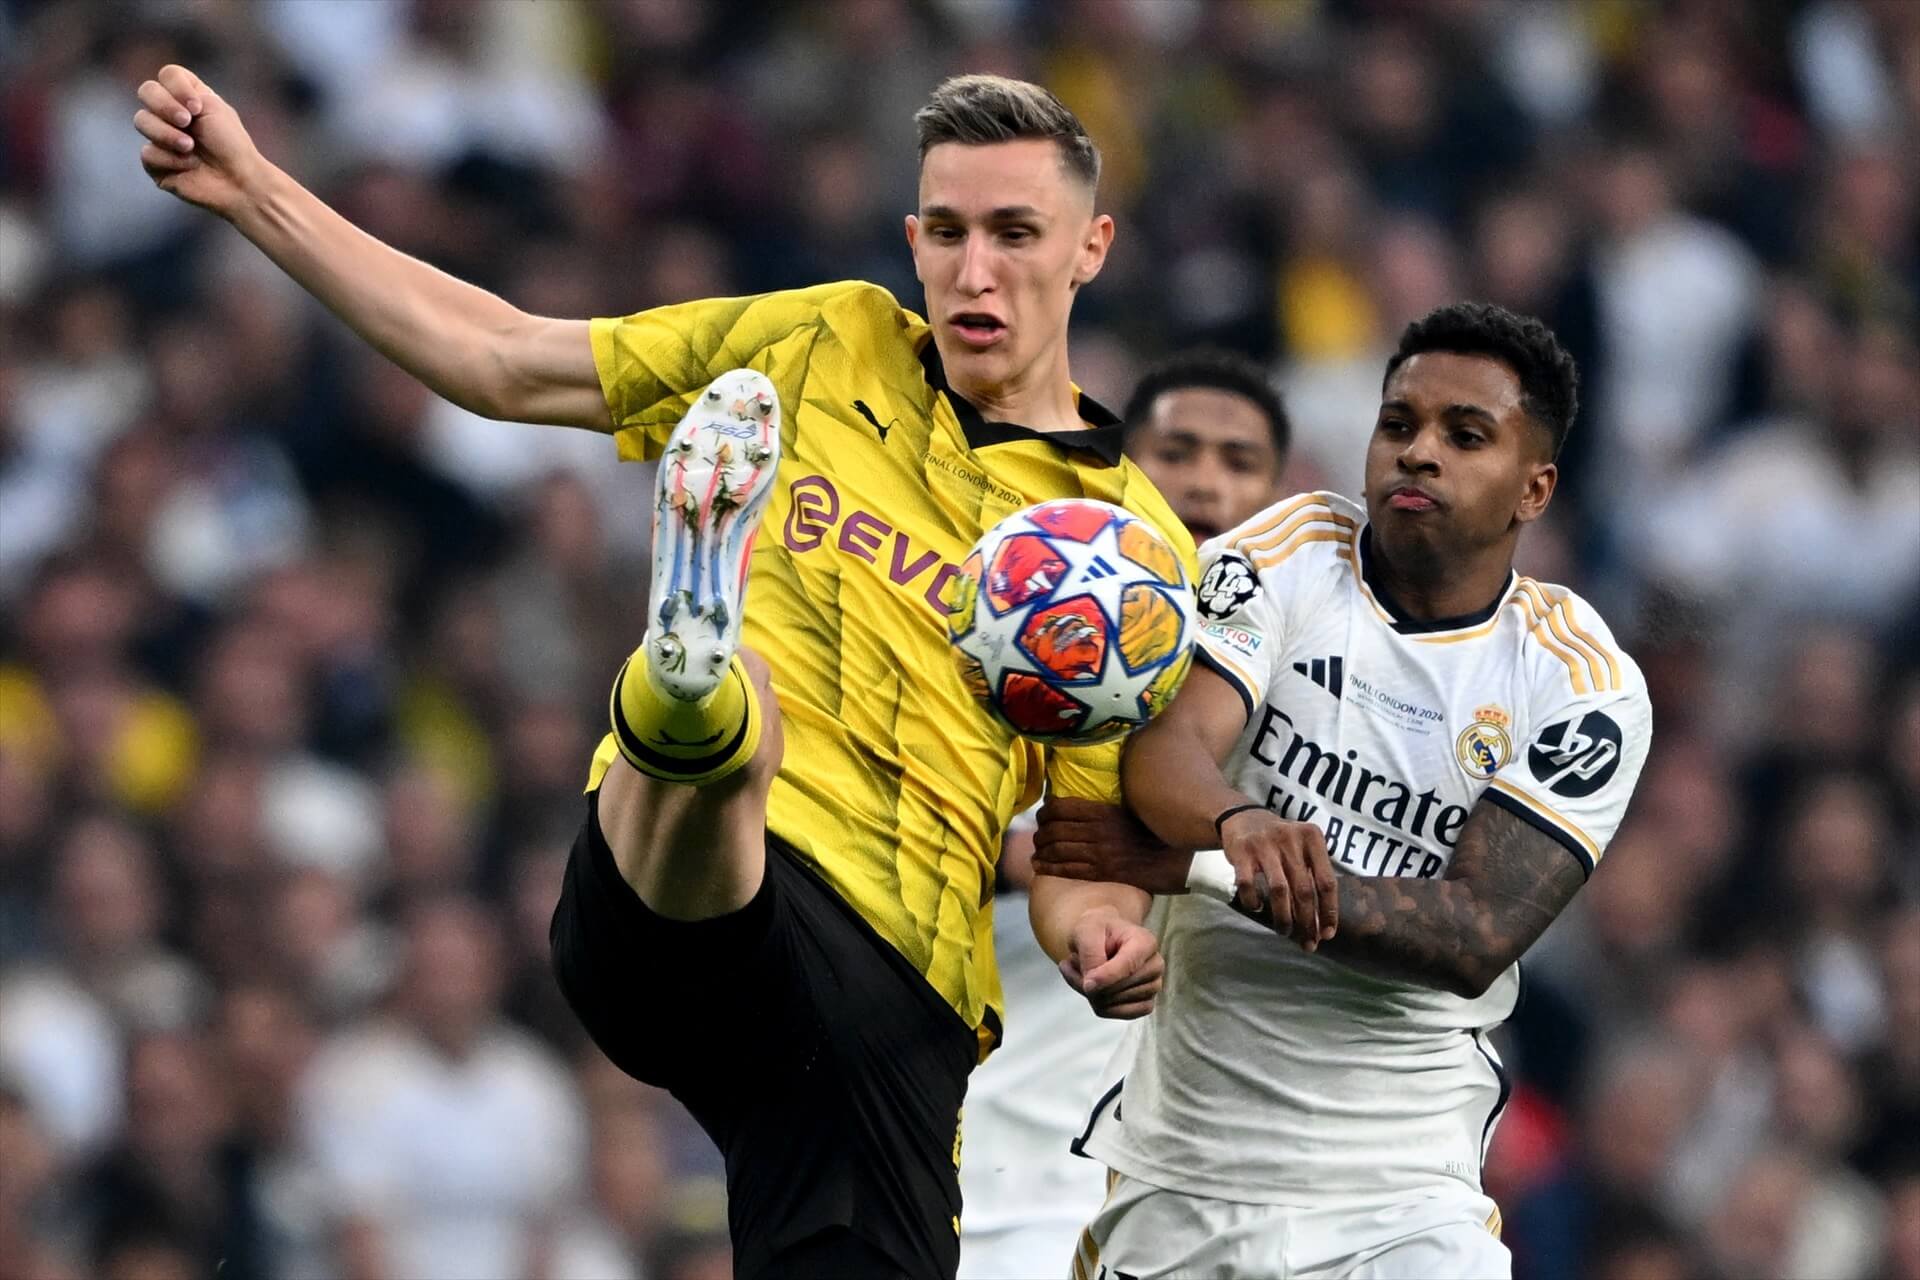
{"points": [[1549, 381], [1220, 370]]}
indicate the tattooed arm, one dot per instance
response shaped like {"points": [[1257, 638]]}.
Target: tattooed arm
{"points": [[1507, 882]]}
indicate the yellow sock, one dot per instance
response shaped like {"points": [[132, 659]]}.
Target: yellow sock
{"points": [[692, 742]]}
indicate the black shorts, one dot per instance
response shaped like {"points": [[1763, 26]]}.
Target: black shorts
{"points": [[829, 1072]]}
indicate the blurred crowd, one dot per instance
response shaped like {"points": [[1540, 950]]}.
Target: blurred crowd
{"points": [[300, 667]]}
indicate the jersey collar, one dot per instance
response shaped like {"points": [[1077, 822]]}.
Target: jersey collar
{"points": [[1103, 439], [1404, 622]]}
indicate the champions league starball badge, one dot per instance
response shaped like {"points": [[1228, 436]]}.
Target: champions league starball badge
{"points": [[1228, 585]]}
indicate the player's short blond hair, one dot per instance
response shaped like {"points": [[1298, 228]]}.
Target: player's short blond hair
{"points": [[979, 109]]}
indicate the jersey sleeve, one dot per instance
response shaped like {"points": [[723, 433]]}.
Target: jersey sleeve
{"points": [[651, 363], [1575, 774], [1085, 773], [1240, 624]]}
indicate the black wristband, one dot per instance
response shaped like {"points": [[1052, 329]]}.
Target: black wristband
{"points": [[1228, 813]]}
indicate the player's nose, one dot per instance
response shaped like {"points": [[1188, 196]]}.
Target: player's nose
{"points": [[1419, 454], [976, 267]]}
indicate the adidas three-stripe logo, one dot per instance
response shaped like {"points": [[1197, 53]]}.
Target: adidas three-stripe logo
{"points": [[1328, 673]]}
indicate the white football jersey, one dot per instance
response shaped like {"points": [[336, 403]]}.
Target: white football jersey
{"points": [[1272, 1076]]}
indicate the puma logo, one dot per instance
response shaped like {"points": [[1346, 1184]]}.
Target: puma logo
{"points": [[861, 407]]}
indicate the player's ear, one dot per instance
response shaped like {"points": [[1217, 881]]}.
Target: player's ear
{"points": [[1093, 249], [913, 245], [1542, 479]]}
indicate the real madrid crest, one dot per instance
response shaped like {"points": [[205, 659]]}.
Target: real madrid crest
{"points": [[1484, 746]]}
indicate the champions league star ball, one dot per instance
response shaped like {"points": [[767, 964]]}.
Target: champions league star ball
{"points": [[1072, 621]]}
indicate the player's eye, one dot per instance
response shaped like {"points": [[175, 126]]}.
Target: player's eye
{"points": [[1468, 439], [1017, 235], [948, 234]]}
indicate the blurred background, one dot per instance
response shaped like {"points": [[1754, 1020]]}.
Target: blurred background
{"points": [[300, 667]]}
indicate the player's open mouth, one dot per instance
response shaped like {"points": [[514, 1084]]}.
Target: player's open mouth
{"points": [[977, 329], [1408, 498]]}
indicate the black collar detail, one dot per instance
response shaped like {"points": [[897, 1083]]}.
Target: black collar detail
{"points": [[1103, 439], [1405, 623]]}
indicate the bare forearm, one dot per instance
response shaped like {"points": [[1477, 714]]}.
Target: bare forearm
{"points": [[1054, 904], [1506, 884], [1171, 781], [468, 345], [1433, 933]]}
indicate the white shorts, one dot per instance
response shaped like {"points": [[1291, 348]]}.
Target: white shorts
{"points": [[1145, 1231]]}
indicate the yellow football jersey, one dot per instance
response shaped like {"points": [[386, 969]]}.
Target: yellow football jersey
{"points": [[896, 786]]}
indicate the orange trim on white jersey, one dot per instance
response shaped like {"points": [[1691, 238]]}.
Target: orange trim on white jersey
{"points": [[1280, 515], [1578, 664], [1606, 672], [1267, 541], [1273, 558], [1474, 633]]}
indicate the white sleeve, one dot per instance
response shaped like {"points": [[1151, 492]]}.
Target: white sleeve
{"points": [[1240, 622], [1574, 776]]}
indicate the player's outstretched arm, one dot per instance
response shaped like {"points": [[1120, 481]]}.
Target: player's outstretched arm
{"points": [[1506, 884], [474, 348]]}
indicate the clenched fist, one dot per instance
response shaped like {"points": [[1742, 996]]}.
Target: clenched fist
{"points": [[1115, 964], [196, 148]]}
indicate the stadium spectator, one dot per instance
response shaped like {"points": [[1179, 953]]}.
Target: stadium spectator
{"points": [[229, 637], [446, 1143]]}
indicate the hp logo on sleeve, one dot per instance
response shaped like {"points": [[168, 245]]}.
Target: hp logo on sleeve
{"points": [[1576, 758]]}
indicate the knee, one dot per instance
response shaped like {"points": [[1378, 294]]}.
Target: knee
{"points": [[688, 853]]}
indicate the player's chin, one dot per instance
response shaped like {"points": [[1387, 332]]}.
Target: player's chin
{"points": [[1413, 527], [989, 362]]}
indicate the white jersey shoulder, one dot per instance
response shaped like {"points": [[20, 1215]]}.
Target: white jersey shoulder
{"points": [[1258, 578], [1267, 1074], [1589, 722]]}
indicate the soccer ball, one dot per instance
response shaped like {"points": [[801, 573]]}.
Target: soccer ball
{"points": [[1072, 621]]}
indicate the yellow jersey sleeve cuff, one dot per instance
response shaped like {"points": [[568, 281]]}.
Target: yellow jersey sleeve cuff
{"points": [[629, 439], [1086, 772]]}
